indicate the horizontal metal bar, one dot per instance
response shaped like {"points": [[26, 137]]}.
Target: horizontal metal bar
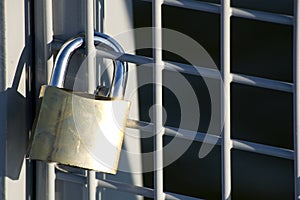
{"points": [[143, 191], [192, 70], [173, 196], [146, 192], [201, 71], [194, 5], [262, 82], [237, 78], [173, 66], [263, 149], [192, 135], [263, 16], [70, 177], [237, 12], [140, 60], [237, 144], [143, 126], [214, 139]]}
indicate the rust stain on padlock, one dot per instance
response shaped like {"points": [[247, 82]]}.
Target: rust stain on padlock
{"points": [[84, 132]]}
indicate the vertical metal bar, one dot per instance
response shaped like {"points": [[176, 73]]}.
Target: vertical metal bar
{"points": [[48, 35], [99, 15], [296, 101], [225, 68], [3, 64], [50, 173], [90, 52], [157, 97], [90, 48], [92, 185]]}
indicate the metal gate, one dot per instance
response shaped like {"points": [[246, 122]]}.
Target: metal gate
{"points": [[226, 141]]}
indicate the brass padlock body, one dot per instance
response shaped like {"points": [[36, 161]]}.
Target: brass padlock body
{"points": [[79, 129]]}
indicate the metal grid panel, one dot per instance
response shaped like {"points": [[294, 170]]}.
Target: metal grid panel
{"points": [[225, 141]]}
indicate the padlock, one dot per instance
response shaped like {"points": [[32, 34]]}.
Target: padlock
{"points": [[79, 129]]}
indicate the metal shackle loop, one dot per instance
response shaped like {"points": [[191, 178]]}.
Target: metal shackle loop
{"points": [[119, 80]]}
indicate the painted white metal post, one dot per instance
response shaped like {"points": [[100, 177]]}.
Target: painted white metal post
{"points": [[90, 48], [90, 52], [50, 174], [48, 35], [157, 97], [225, 70], [296, 73]]}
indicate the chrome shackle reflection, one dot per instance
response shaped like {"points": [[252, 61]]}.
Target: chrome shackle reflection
{"points": [[119, 79]]}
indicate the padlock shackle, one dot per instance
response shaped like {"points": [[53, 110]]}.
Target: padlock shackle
{"points": [[119, 80], [62, 60]]}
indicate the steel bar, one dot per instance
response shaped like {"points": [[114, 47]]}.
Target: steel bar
{"points": [[90, 51], [237, 12], [225, 71], [173, 196], [194, 5], [193, 70], [202, 71], [70, 177], [146, 192], [262, 82], [214, 139], [263, 149], [90, 47], [157, 99], [262, 16], [139, 60], [48, 35], [191, 135], [50, 176], [296, 98]]}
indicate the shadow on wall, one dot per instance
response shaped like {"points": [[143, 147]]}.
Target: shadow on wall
{"points": [[15, 108], [17, 127]]}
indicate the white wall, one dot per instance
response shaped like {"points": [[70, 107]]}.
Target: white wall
{"points": [[15, 98]]}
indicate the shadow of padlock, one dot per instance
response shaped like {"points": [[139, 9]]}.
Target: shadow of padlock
{"points": [[80, 129]]}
